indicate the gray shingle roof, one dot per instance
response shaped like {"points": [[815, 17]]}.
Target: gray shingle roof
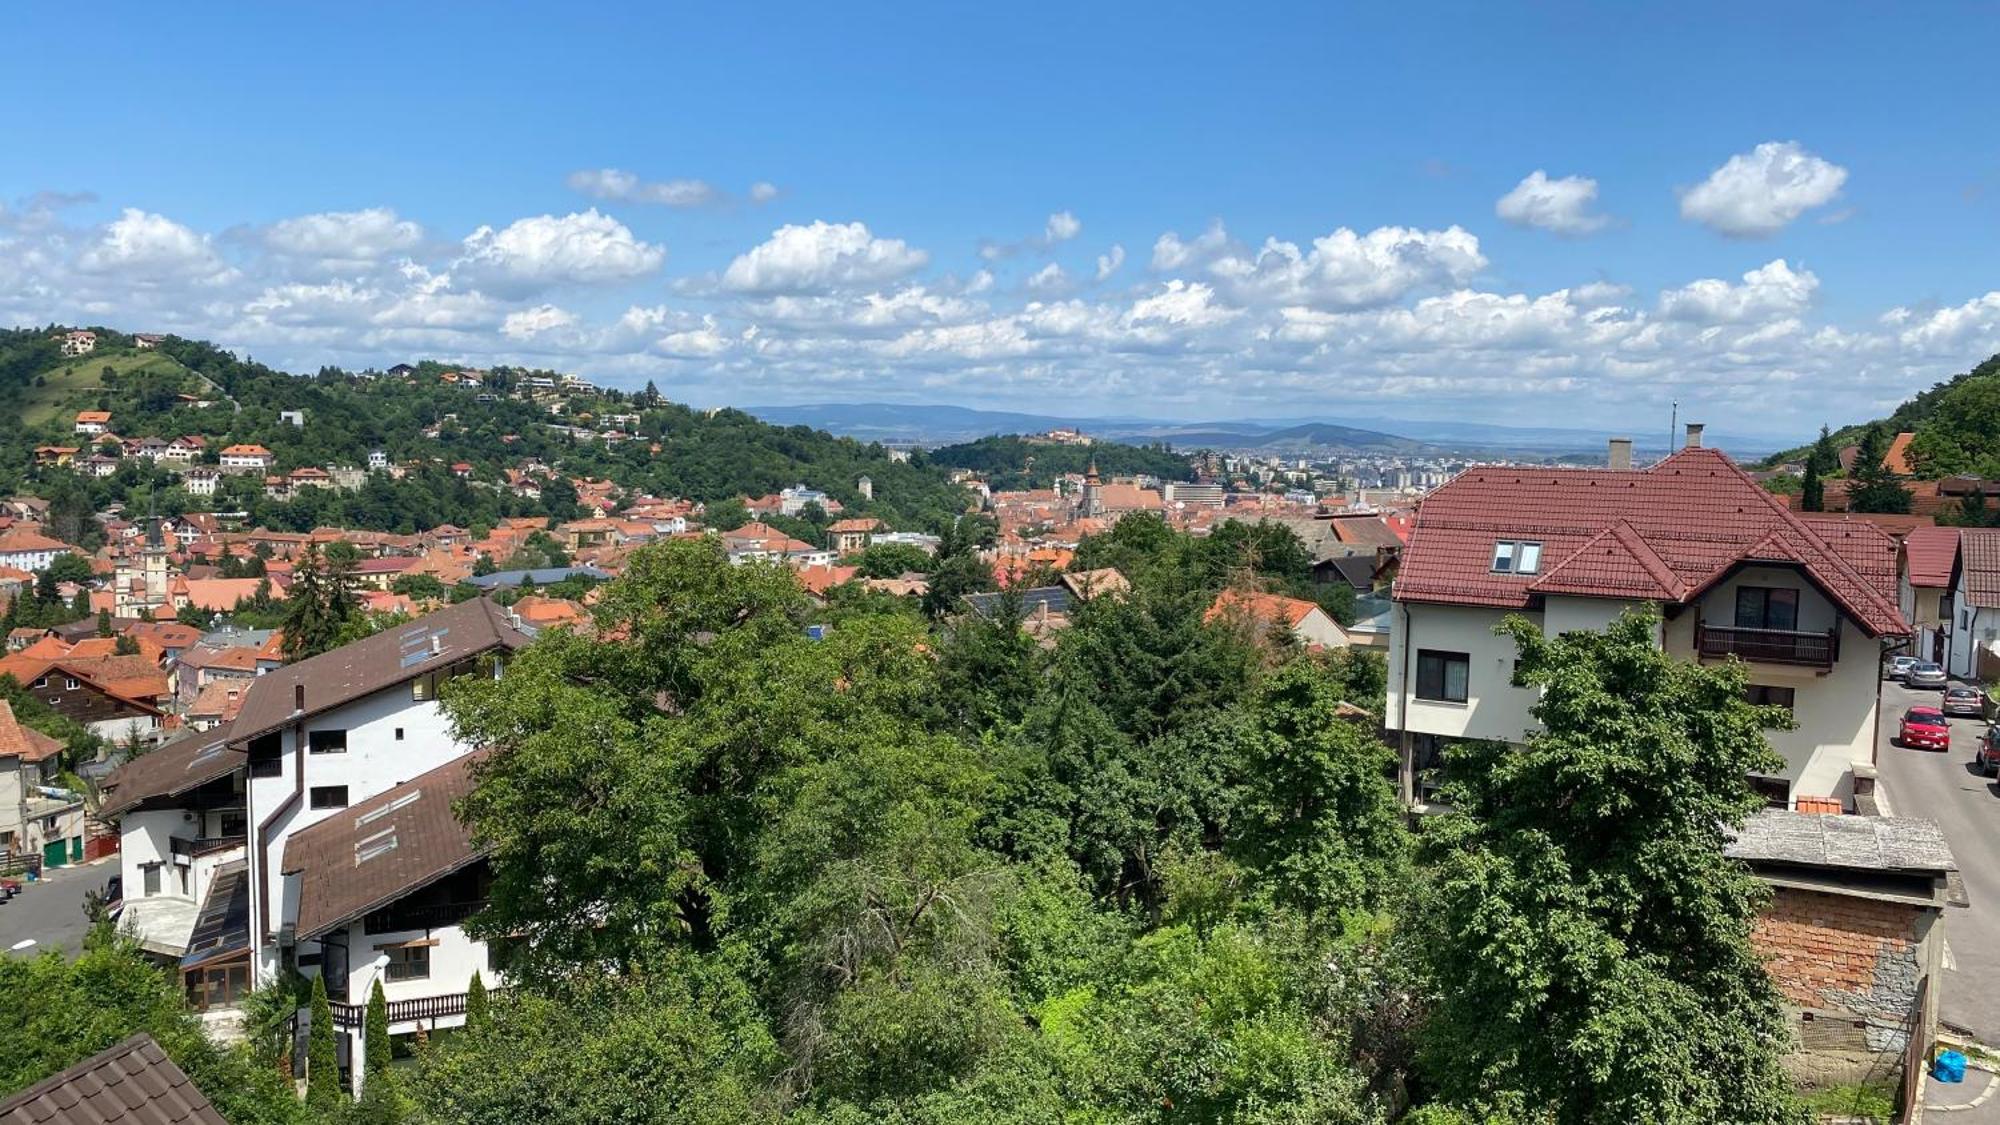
{"points": [[134, 1083], [1859, 843]]}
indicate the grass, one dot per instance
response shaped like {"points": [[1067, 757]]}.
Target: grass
{"points": [[83, 376], [1860, 1100]]}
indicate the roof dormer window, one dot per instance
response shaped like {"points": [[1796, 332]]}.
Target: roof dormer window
{"points": [[1517, 556]]}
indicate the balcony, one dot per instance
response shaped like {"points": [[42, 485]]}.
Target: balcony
{"points": [[1769, 646], [449, 1006], [418, 916], [185, 849]]}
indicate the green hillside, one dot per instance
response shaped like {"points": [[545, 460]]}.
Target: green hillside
{"points": [[706, 456], [1011, 462], [1956, 422]]}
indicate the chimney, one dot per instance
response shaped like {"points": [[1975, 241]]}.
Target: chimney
{"points": [[298, 697], [1621, 453], [1694, 435]]}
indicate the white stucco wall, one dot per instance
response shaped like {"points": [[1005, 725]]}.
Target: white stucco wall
{"points": [[1494, 708]]}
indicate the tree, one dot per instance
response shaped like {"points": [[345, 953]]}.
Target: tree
{"points": [[317, 607], [1812, 491], [891, 560], [1875, 487], [376, 1049], [419, 587], [323, 1086], [103, 623], [1587, 938], [478, 1017]]}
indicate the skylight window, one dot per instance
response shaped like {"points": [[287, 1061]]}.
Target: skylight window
{"points": [[1517, 556], [374, 815], [381, 843]]}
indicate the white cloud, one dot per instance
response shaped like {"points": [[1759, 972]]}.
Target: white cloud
{"points": [[1771, 290], [821, 256], [524, 324], [1565, 206], [144, 247], [1061, 227], [1170, 253], [624, 187], [1049, 279], [1345, 269], [1758, 192], [763, 191], [1181, 303], [1109, 261], [344, 239], [536, 253]]}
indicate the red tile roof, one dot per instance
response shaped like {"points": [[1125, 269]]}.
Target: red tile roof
{"points": [[1931, 553], [1665, 533], [1897, 459], [1979, 555], [25, 743]]}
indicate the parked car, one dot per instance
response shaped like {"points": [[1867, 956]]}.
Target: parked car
{"points": [[1924, 728], [1987, 755], [1924, 674], [1897, 667], [1963, 701]]}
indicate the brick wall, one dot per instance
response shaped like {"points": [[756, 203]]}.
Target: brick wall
{"points": [[1838, 955]]}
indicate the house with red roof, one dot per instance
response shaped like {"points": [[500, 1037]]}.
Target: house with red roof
{"points": [[246, 459], [37, 817], [1274, 613], [1973, 641], [1929, 556], [1807, 601], [24, 547]]}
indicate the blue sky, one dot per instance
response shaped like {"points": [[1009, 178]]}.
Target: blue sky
{"points": [[1778, 214]]}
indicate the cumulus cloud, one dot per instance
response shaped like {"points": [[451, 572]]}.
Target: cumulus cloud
{"points": [[1170, 253], [1109, 261], [1049, 279], [1774, 289], [339, 240], [1565, 206], [763, 191], [1061, 227], [1343, 269], [143, 246], [821, 256], [616, 186], [524, 324], [537, 253], [1757, 193]]}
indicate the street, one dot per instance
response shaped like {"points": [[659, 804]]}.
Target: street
{"points": [[1944, 787], [49, 914]]}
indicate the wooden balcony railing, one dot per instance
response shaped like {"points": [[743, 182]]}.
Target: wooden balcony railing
{"points": [[184, 848], [1769, 646], [403, 1011], [419, 916]]}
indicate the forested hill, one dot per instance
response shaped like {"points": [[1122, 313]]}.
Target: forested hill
{"points": [[191, 387], [1957, 423], [1013, 462]]}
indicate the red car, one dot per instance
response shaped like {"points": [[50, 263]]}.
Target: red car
{"points": [[1924, 728]]}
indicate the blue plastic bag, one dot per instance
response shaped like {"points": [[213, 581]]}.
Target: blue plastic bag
{"points": [[1949, 1067]]}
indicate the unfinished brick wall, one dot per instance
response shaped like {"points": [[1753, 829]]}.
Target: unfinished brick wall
{"points": [[1842, 956]]}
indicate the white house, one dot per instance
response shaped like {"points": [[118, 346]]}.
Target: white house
{"points": [[1808, 602], [1973, 607], [92, 422], [246, 459], [25, 548], [201, 481], [37, 817], [1311, 625], [337, 752], [1930, 558], [79, 342]]}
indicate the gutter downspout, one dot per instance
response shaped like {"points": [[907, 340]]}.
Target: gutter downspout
{"points": [[262, 841], [1407, 782]]}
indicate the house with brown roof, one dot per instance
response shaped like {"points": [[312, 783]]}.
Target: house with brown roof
{"points": [[23, 546], [1808, 602], [246, 459], [1929, 555], [1973, 637], [92, 422], [850, 535], [117, 697]]}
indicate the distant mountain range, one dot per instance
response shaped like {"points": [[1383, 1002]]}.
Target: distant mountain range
{"points": [[944, 425]]}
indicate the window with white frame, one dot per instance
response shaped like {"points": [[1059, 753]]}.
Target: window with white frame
{"points": [[1517, 556]]}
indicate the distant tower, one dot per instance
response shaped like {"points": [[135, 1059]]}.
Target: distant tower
{"points": [[1093, 503], [866, 488]]}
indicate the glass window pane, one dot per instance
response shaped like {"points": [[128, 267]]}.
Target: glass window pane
{"points": [[1529, 558], [1456, 672], [1782, 609], [1503, 556]]}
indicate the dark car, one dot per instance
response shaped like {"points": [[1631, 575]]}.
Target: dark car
{"points": [[1925, 674], [1963, 701], [1987, 755], [1924, 728]]}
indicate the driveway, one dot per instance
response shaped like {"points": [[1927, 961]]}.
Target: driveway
{"points": [[1943, 787], [49, 914]]}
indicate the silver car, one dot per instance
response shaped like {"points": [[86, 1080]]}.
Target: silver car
{"points": [[1963, 701], [1897, 667], [1925, 674]]}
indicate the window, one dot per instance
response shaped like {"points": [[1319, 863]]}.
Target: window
{"points": [[1443, 675], [399, 734], [183, 873], [1517, 556], [1765, 695], [420, 689], [152, 871], [327, 742], [409, 962], [329, 796], [41, 683], [70, 684], [1767, 607]]}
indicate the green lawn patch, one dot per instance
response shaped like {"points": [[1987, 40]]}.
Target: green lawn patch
{"points": [[80, 378], [1859, 1100]]}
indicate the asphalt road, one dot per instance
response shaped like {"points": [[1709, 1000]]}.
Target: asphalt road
{"points": [[49, 914], [1944, 788]]}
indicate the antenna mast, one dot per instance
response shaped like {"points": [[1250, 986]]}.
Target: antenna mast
{"points": [[1673, 423]]}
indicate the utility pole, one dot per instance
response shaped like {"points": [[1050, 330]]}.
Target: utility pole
{"points": [[1673, 423]]}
